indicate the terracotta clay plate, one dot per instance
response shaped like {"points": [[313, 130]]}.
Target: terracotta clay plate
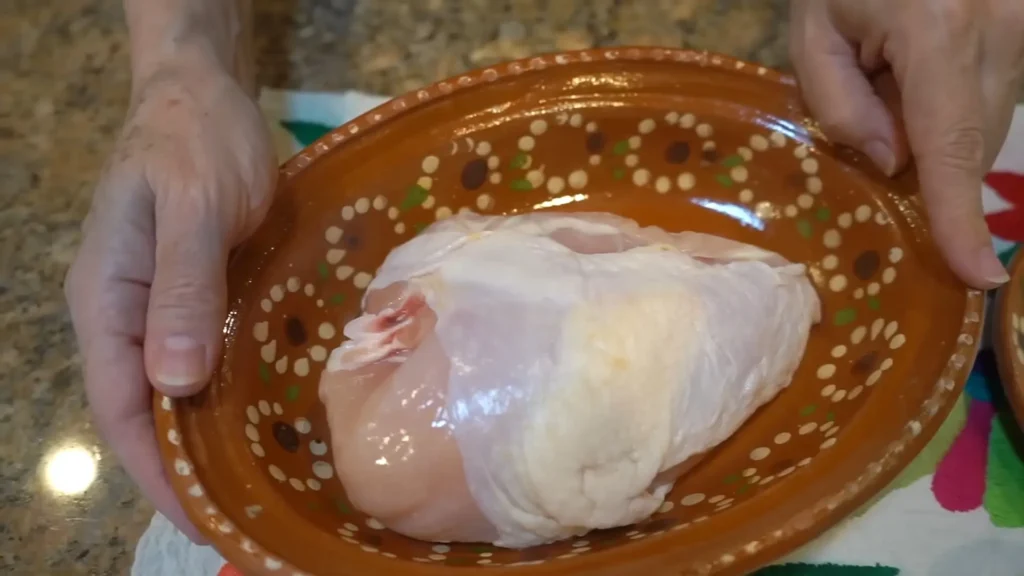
{"points": [[1008, 335], [673, 138]]}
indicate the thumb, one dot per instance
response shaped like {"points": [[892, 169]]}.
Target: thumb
{"points": [[944, 117], [840, 97], [187, 303]]}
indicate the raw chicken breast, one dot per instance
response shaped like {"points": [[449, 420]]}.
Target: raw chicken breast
{"points": [[521, 380]]}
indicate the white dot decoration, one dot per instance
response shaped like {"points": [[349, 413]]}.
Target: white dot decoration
{"points": [[692, 499], [760, 453], [687, 121], [348, 213], [634, 142], [832, 239], [758, 143], [430, 164], [839, 351], [251, 433], [526, 143], [830, 262], [895, 255], [362, 280], [276, 473], [705, 130], [862, 213], [782, 438], [738, 173], [374, 524], [646, 126], [578, 179], [686, 181], [807, 428], [362, 205], [301, 367], [538, 127], [826, 371], [323, 470], [641, 177], [837, 283], [333, 235], [632, 160], [828, 390], [747, 196], [663, 184], [556, 185], [302, 426]]}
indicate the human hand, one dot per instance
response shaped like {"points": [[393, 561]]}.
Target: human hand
{"points": [[192, 174], [954, 67]]}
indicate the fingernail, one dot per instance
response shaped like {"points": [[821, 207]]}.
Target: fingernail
{"points": [[182, 362], [882, 156], [991, 268]]}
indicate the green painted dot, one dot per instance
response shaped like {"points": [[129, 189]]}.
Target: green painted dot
{"points": [[723, 179], [265, 372], [620, 148], [743, 489], [873, 303], [731, 161], [521, 185], [732, 479], [519, 160], [337, 299], [808, 410], [292, 393], [619, 173], [419, 227], [823, 214], [342, 506], [845, 316], [804, 228], [322, 270], [415, 196], [831, 417]]}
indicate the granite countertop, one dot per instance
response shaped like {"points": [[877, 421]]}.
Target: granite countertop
{"points": [[64, 73]]}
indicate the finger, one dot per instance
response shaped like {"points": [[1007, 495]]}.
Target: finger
{"points": [[187, 303], [939, 74], [125, 418], [838, 94], [107, 290]]}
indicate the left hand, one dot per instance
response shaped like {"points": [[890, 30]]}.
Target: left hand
{"points": [[955, 68]]}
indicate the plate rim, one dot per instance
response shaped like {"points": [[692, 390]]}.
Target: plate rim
{"points": [[1011, 378], [794, 532]]}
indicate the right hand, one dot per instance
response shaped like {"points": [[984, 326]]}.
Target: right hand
{"points": [[192, 174]]}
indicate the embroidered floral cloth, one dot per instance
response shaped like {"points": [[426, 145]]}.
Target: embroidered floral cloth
{"points": [[957, 510]]}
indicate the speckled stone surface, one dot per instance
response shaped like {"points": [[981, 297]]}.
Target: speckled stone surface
{"points": [[63, 91]]}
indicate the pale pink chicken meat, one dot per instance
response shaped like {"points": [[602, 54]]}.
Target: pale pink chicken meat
{"points": [[521, 380]]}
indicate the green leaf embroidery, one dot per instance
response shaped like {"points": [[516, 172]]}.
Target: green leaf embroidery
{"points": [[732, 161], [292, 393], [306, 132], [521, 185], [415, 196], [1004, 497], [845, 316]]}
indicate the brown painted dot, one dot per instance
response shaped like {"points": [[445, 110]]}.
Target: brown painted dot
{"points": [[286, 435], [353, 241], [372, 539], [474, 174], [295, 331], [781, 465], [866, 264], [595, 142], [865, 363], [710, 156], [677, 152]]}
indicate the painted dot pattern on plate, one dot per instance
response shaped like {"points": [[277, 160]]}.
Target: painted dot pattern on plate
{"points": [[680, 155]]}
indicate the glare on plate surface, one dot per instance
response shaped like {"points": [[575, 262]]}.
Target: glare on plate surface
{"points": [[70, 470]]}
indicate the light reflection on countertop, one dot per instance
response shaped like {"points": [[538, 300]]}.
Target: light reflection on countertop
{"points": [[70, 470]]}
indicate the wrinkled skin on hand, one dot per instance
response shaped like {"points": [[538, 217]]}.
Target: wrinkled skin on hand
{"points": [[935, 79], [192, 174]]}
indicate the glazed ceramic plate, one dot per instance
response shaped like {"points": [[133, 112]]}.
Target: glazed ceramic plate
{"points": [[1009, 336], [678, 139]]}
